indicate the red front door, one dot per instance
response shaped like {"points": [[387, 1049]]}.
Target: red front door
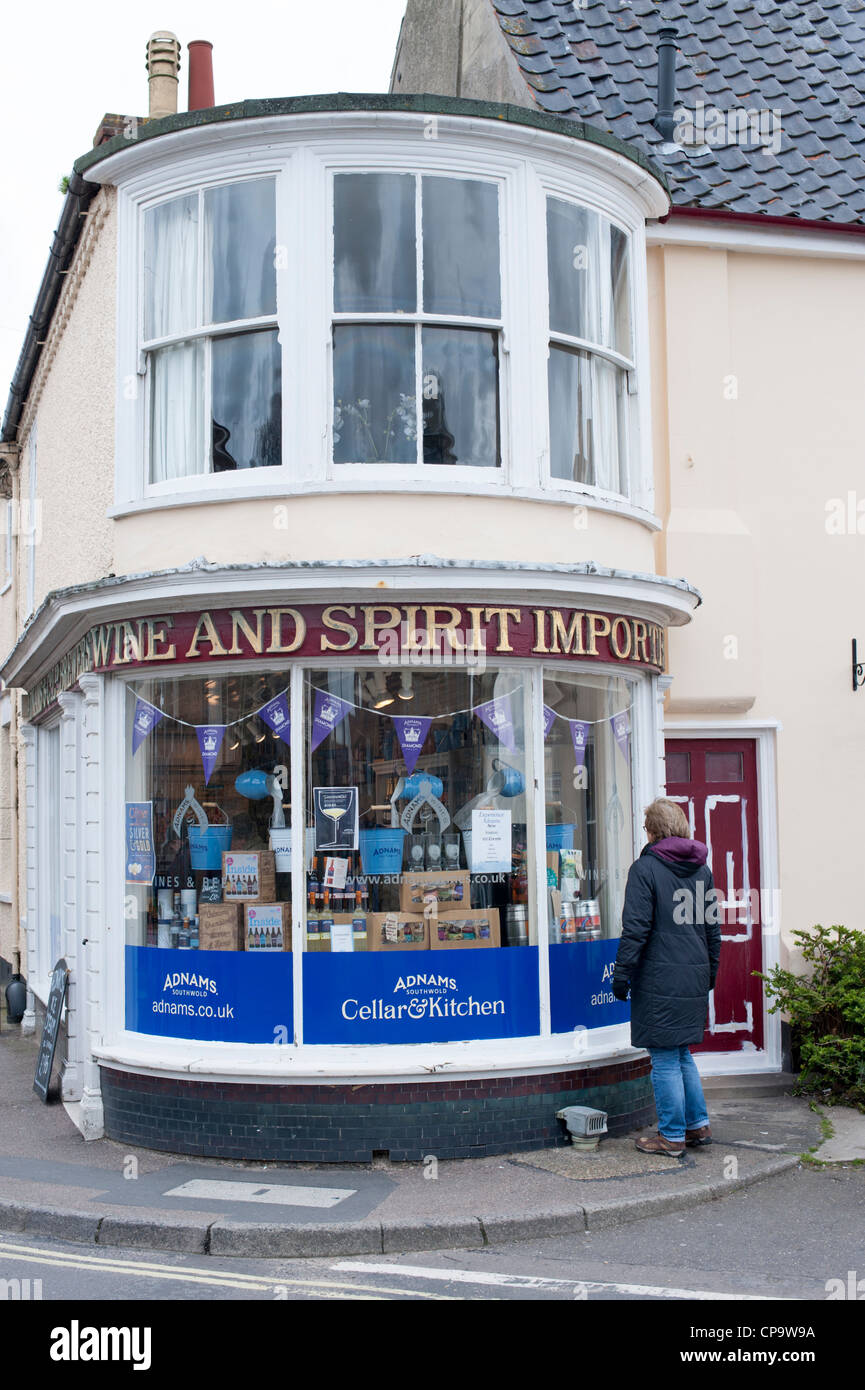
{"points": [[716, 782]]}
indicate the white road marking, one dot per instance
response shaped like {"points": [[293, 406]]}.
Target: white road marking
{"points": [[276, 1194], [525, 1281], [191, 1275]]}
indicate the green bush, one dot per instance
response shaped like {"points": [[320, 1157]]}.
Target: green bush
{"points": [[826, 1009]]}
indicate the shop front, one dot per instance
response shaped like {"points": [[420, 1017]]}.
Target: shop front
{"points": [[361, 864]]}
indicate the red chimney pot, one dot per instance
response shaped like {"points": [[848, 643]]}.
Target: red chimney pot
{"points": [[200, 74]]}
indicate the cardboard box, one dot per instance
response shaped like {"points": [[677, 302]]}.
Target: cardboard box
{"points": [[273, 919], [460, 929], [249, 875], [410, 929], [220, 927], [449, 888]]}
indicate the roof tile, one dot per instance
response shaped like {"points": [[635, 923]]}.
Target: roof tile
{"points": [[597, 61]]}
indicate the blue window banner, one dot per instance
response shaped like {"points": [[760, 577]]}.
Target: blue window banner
{"points": [[210, 996], [421, 996], [581, 986]]}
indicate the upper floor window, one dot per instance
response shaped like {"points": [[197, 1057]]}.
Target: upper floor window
{"points": [[209, 332], [417, 320], [591, 354]]}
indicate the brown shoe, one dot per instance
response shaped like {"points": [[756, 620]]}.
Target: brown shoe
{"points": [[698, 1138], [657, 1144]]}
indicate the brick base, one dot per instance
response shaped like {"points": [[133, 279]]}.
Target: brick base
{"points": [[346, 1124]]}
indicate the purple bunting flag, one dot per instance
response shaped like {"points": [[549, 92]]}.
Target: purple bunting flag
{"points": [[497, 716], [580, 735], [210, 738], [411, 730], [329, 711], [549, 719], [621, 725], [276, 716], [144, 721]]}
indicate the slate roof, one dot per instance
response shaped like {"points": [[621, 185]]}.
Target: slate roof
{"points": [[598, 63]]}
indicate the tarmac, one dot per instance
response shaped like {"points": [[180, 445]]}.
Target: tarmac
{"points": [[54, 1184]]}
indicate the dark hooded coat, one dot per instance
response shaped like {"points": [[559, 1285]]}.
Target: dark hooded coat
{"points": [[671, 943]]}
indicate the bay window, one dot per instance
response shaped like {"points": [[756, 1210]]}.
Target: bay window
{"points": [[209, 333], [417, 310]]}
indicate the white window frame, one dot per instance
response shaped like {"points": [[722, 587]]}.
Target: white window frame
{"points": [[303, 163], [637, 443], [458, 474], [206, 334]]}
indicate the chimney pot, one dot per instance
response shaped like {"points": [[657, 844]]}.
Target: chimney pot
{"points": [[200, 75], [163, 64]]}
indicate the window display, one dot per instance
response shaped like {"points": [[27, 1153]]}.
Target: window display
{"points": [[589, 812], [420, 902], [435, 858], [205, 761]]}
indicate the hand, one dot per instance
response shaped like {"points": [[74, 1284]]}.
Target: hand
{"points": [[620, 989]]}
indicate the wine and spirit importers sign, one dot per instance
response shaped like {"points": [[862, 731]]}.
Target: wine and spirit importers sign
{"points": [[397, 633]]}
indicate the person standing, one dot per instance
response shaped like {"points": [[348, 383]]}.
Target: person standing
{"points": [[668, 957]]}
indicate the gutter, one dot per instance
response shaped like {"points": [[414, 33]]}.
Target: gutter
{"points": [[78, 199], [763, 219]]}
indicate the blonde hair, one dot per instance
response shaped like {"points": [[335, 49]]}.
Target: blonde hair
{"points": [[665, 818]]}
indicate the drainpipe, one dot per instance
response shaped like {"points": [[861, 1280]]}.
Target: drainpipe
{"points": [[664, 121], [10, 457]]}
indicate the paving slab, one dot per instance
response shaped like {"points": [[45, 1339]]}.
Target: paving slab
{"points": [[847, 1144]]}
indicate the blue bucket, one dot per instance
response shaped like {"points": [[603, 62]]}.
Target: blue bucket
{"points": [[206, 846], [560, 836], [381, 850]]}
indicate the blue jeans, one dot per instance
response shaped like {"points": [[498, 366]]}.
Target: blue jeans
{"points": [[679, 1098]]}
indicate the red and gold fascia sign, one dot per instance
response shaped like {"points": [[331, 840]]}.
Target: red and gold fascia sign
{"points": [[412, 632]]}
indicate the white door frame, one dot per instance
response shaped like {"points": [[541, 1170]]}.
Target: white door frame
{"points": [[764, 732]]}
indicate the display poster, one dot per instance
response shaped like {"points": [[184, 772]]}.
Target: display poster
{"points": [[241, 879], [491, 842], [420, 996], [210, 996], [581, 986], [140, 851], [336, 818]]}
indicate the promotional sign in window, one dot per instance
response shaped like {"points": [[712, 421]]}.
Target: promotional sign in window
{"points": [[211, 996], [581, 986], [491, 842], [420, 996], [140, 854], [336, 818]]}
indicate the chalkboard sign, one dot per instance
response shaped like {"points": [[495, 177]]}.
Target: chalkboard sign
{"points": [[47, 1047]]}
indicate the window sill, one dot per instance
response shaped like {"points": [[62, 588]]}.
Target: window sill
{"points": [[278, 491], [321, 1064]]}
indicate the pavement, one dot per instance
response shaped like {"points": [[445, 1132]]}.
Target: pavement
{"points": [[56, 1185]]}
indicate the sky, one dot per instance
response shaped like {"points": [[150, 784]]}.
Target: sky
{"points": [[63, 67]]}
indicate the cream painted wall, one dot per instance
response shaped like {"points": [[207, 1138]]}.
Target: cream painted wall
{"points": [[72, 403], [764, 360], [380, 526]]}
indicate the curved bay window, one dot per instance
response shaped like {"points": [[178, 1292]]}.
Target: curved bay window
{"points": [[591, 362], [416, 320], [209, 333]]}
